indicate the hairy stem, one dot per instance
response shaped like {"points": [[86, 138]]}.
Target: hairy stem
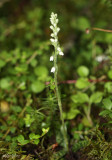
{"points": [[88, 114], [59, 102]]}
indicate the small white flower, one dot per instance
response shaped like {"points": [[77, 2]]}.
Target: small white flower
{"points": [[55, 40], [54, 24], [53, 69], [58, 29], [55, 33], [59, 49], [52, 35], [51, 58], [57, 20], [52, 40], [101, 58], [61, 53], [51, 27]]}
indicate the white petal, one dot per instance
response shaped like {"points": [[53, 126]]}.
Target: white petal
{"points": [[61, 53], [56, 20], [55, 33], [58, 29], [59, 49], [53, 69], [51, 58], [51, 27], [52, 40], [55, 40], [52, 35]]}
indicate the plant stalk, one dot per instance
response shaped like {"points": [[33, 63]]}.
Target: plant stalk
{"points": [[59, 102], [88, 114]]}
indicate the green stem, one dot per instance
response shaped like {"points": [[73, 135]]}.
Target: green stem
{"points": [[59, 102], [88, 114]]}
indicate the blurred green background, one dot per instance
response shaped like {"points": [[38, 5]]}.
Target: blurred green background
{"points": [[25, 50], [24, 39]]}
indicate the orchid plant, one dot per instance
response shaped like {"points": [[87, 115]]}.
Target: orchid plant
{"points": [[54, 69]]}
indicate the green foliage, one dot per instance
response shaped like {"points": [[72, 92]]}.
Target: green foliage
{"points": [[98, 147], [27, 104], [96, 97], [28, 120], [80, 97], [79, 145], [110, 74], [37, 87], [107, 112], [33, 138], [71, 114], [83, 71], [82, 83], [21, 140]]}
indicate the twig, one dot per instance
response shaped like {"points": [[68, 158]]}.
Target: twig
{"points": [[103, 30], [32, 57], [98, 29], [74, 81]]}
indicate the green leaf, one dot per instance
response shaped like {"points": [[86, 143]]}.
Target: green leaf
{"points": [[104, 113], [76, 136], [82, 83], [36, 141], [110, 115], [21, 68], [86, 122], [2, 63], [110, 74], [33, 62], [107, 103], [21, 140], [96, 97], [16, 109], [4, 83], [25, 142], [37, 86], [8, 138], [72, 114], [12, 129], [80, 98], [82, 23], [44, 131], [33, 136], [3, 127], [110, 122], [41, 71], [108, 87], [28, 120], [1, 135], [83, 71]]}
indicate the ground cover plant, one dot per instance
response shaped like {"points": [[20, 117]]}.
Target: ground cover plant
{"points": [[55, 80]]}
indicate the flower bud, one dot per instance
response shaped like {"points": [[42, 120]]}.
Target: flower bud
{"points": [[51, 58], [53, 69]]}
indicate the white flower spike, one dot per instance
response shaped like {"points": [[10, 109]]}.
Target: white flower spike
{"points": [[53, 69], [51, 58], [57, 50]]}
